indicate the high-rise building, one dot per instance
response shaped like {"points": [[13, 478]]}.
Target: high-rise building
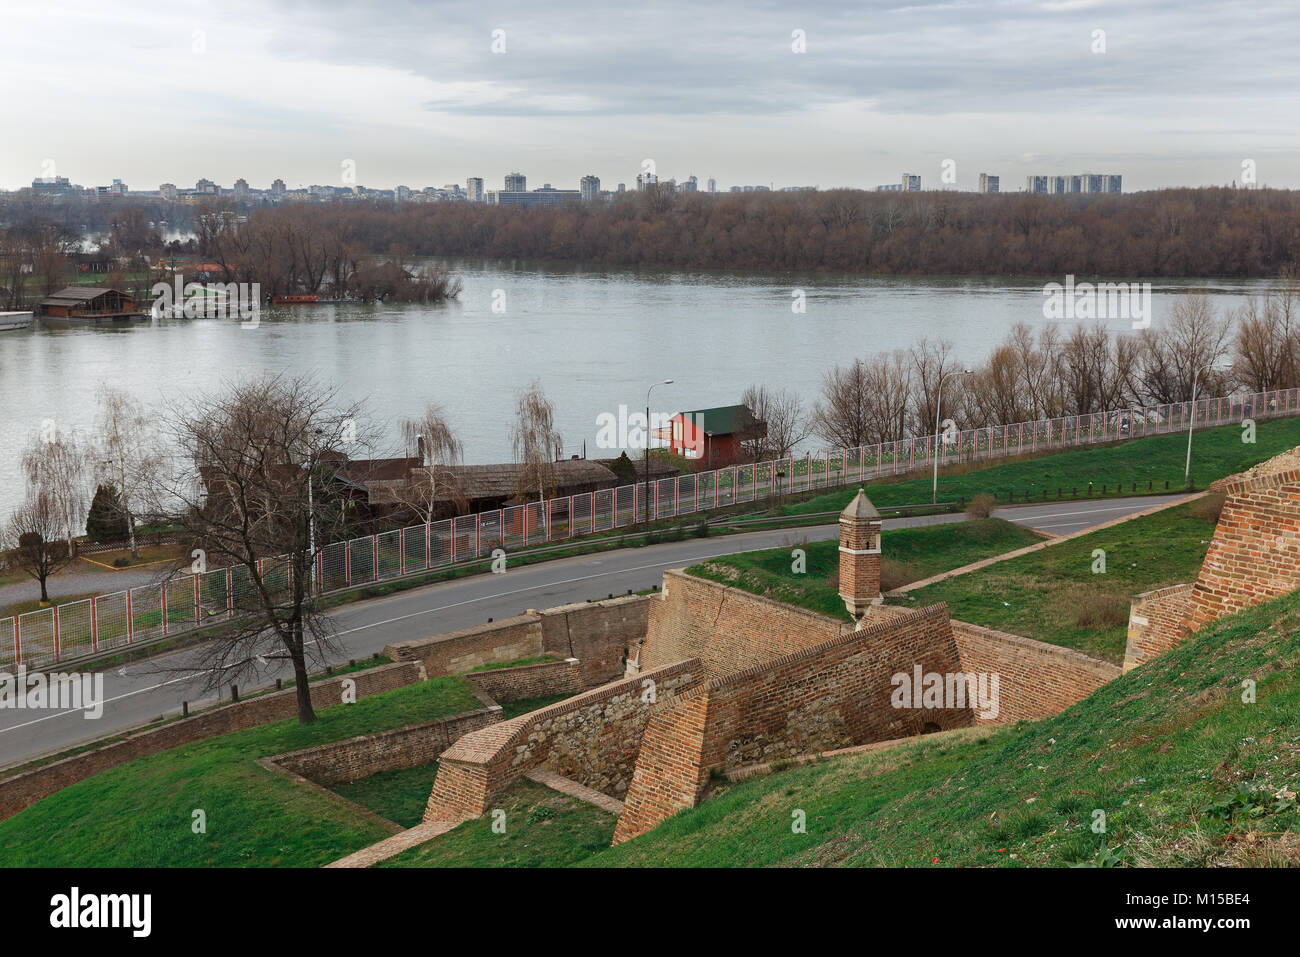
{"points": [[546, 196], [515, 183], [589, 187], [988, 183], [692, 185], [241, 187], [1036, 184], [646, 180], [1114, 183], [1056, 185], [713, 185], [474, 189], [910, 183], [278, 188]]}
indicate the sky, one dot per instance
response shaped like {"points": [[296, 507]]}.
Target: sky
{"points": [[1185, 92]]}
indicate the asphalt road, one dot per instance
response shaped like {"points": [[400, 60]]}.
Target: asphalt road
{"points": [[146, 690]]}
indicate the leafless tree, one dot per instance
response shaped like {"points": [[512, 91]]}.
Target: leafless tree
{"points": [[781, 415], [536, 441], [34, 531], [841, 418], [433, 485], [256, 490], [55, 463], [1182, 355], [127, 451], [1267, 342], [931, 363]]}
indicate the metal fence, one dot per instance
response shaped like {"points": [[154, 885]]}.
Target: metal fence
{"points": [[186, 601]]}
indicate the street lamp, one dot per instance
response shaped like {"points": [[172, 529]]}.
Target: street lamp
{"points": [[938, 404], [647, 445], [1187, 469], [311, 517]]}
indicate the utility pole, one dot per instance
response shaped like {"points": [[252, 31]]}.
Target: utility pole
{"points": [[647, 446]]}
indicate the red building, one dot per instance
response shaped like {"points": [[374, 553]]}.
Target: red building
{"points": [[713, 437]]}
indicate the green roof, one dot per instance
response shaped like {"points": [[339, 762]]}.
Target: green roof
{"points": [[724, 420]]}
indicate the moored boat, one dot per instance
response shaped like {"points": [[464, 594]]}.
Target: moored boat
{"points": [[15, 320]]}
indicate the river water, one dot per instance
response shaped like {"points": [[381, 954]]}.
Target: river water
{"points": [[596, 338]]}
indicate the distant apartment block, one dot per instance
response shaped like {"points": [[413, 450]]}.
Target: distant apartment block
{"points": [[515, 183], [713, 185], [988, 183], [1081, 183], [646, 180], [890, 188], [692, 185], [589, 187], [474, 189], [546, 196], [911, 183]]}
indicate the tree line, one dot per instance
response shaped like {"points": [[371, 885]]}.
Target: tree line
{"points": [[1165, 233]]}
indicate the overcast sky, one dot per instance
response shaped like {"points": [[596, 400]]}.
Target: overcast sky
{"points": [[413, 93]]}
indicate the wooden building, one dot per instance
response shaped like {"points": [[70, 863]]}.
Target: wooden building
{"points": [[90, 304]]}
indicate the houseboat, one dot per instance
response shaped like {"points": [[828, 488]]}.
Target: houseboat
{"points": [[91, 304], [15, 320]]}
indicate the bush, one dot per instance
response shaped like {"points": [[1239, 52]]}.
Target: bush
{"points": [[1210, 507], [1098, 610], [981, 506], [894, 574]]}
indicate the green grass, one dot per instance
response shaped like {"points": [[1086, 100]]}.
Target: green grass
{"points": [[543, 828], [517, 663], [1054, 595], [140, 814], [1151, 749], [913, 554], [400, 796], [1215, 453]]}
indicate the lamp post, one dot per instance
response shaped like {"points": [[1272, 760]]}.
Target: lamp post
{"points": [[938, 404], [1187, 469], [311, 519], [647, 446]]}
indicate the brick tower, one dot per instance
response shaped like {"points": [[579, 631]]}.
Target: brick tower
{"points": [[860, 555]]}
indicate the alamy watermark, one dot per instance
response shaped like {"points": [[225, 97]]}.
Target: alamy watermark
{"points": [[214, 300], [957, 689], [59, 692], [1104, 300]]}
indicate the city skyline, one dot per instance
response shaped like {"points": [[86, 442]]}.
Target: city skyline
{"points": [[823, 95]]}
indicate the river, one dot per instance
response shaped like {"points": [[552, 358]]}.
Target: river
{"points": [[596, 338]]}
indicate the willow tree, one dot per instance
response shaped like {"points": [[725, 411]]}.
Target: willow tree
{"points": [[535, 440]]}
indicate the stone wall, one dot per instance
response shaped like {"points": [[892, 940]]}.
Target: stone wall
{"points": [[468, 648], [341, 762], [592, 738], [597, 633], [1035, 680], [600, 634], [1255, 553], [727, 629], [1253, 557], [1157, 621], [23, 790], [544, 680], [833, 695]]}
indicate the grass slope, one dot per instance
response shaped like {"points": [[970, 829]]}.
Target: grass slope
{"points": [[1185, 772], [543, 828], [1055, 596], [913, 554], [141, 813], [1159, 458]]}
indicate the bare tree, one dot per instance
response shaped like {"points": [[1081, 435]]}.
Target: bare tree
{"points": [[127, 452], [55, 463], [265, 452], [34, 531], [433, 485], [931, 363], [889, 383], [841, 418], [782, 423], [1268, 337], [1182, 355], [536, 441]]}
